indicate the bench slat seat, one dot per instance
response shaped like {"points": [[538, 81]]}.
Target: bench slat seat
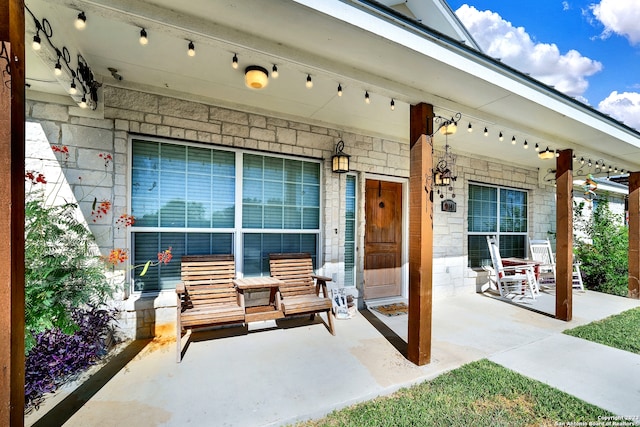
{"points": [[207, 295], [300, 291]]}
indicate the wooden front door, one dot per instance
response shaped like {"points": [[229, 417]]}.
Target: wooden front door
{"points": [[383, 239]]}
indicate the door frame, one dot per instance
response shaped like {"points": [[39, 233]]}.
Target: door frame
{"points": [[404, 267]]}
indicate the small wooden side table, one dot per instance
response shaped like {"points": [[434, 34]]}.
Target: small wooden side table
{"points": [[268, 311]]}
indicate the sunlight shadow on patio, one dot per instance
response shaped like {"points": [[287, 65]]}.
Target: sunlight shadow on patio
{"points": [[68, 406], [545, 302]]}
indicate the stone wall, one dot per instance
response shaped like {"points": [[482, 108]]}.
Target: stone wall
{"points": [[128, 113]]}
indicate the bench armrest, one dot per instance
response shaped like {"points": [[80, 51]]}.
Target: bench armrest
{"points": [[180, 289], [321, 278]]}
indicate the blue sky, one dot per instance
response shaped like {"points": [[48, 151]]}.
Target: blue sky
{"points": [[588, 49]]}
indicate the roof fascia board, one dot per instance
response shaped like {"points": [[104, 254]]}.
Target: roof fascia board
{"points": [[440, 47]]}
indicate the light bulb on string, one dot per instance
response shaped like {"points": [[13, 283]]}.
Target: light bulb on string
{"points": [[81, 21], [143, 37]]}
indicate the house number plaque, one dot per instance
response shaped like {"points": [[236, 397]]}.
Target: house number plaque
{"points": [[448, 205]]}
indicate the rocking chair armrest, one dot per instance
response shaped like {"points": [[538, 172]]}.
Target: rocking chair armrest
{"points": [[518, 268]]}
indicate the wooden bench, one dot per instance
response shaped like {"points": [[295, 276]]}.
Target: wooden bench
{"points": [[300, 288], [207, 295]]}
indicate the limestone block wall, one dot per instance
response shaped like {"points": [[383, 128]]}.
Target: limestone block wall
{"points": [[128, 113]]}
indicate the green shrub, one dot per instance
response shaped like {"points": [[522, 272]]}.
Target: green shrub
{"points": [[602, 245], [61, 270]]}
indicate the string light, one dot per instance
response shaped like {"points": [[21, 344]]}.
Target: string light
{"points": [[500, 137], [526, 144], [486, 132], [309, 83], [469, 128], [393, 105], [537, 148], [191, 49], [143, 37], [582, 160], [513, 140], [80, 75], [81, 21], [339, 89], [36, 42], [234, 61], [366, 97], [274, 71]]}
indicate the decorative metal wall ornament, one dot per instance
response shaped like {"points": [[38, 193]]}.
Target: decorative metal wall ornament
{"points": [[6, 70], [444, 174]]}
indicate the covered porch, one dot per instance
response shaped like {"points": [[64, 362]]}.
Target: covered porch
{"points": [[381, 92], [298, 371]]}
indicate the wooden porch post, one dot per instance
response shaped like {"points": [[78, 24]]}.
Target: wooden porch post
{"points": [[564, 237], [420, 235], [634, 235], [12, 132]]}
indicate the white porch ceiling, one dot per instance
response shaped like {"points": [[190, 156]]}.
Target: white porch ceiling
{"points": [[335, 43]]}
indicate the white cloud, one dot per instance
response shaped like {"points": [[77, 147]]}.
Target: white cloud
{"points": [[566, 5], [623, 106], [513, 45], [619, 17]]}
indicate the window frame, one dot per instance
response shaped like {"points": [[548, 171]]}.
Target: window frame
{"points": [[497, 231], [238, 231]]}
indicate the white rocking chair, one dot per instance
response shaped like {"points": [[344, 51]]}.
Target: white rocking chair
{"points": [[516, 279], [541, 251]]}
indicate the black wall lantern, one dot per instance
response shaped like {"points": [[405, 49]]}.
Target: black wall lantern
{"points": [[340, 160]]}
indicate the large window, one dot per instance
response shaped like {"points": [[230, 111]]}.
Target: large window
{"points": [[495, 211], [184, 196]]}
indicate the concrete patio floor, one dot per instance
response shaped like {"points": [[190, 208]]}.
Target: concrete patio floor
{"points": [[297, 371]]}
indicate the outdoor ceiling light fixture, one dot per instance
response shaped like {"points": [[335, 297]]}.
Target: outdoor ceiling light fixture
{"points": [[309, 83], [191, 49], [546, 154], [340, 160], [256, 77], [234, 61]]}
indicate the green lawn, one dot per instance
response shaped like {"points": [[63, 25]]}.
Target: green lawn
{"points": [[619, 331], [481, 393]]}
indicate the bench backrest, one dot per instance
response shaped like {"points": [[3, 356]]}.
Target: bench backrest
{"points": [[209, 279], [295, 270]]}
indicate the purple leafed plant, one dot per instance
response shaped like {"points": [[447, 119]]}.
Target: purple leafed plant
{"points": [[57, 357]]}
